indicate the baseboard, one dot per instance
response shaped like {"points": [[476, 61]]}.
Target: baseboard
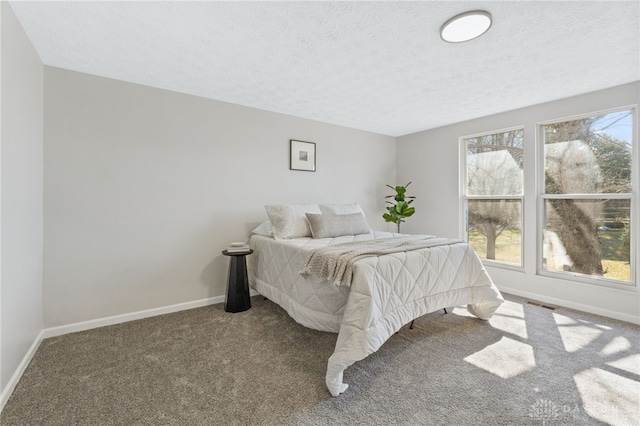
{"points": [[13, 382], [132, 316], [572, 305]]}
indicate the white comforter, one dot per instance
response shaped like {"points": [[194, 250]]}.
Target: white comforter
{"points": [[386, 292]]}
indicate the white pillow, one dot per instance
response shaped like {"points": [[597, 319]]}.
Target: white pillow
{"points": [[336, 225], [289, 221], [265, 228], [340, 208]]}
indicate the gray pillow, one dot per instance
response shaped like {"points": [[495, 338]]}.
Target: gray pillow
{"points": [[336, 225]]}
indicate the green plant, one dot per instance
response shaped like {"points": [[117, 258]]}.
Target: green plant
{"points": [[399, 210]]}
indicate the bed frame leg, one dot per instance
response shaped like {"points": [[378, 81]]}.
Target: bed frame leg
{"points": [[411, 325]]}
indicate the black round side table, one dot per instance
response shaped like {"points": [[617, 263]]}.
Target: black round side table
{"points": [[237, 298]]}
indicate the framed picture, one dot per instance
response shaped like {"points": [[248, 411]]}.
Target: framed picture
{"points": [[303, 156]]}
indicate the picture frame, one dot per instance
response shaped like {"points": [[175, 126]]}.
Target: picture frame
{"points": [[302, 155]]}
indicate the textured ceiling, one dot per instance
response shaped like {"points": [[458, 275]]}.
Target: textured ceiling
{"points": [[377, 66]]}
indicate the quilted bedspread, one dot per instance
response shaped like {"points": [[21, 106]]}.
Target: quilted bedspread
{"points": [[386, 292]]}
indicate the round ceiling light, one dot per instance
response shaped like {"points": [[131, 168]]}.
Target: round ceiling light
{"points": [[466, 26]]}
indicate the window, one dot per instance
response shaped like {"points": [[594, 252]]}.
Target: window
{"points": [[587, 196], [493, 194]]}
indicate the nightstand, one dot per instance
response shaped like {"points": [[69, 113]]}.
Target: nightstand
{"points": [[237, 298]]}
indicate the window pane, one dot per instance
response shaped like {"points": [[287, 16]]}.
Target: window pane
{"points": [[494, 163], [495, 229], [591, 155], [589, 237]]}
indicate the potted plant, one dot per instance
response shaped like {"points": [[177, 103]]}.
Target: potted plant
{"points": [[400, 209]]}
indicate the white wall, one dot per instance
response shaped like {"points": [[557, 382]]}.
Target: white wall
{"points": [[21, 207], [144, 188], [430, 159]]}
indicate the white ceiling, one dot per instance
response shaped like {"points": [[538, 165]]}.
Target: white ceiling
{"points": [[377, 66]]}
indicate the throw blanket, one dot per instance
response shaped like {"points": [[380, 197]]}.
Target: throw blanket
{"points": [[335, 263]]}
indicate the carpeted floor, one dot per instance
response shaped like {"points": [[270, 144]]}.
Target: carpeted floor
{"points": [[527, 366]]}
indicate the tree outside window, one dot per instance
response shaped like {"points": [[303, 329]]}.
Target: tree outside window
{"points": [[587, 195], [494, 195]]}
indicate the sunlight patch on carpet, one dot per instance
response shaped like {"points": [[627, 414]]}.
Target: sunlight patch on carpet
{"points": [[506, 359], [602, 393], [617, 344], [510, 318], [576, 335], [630, 364]]}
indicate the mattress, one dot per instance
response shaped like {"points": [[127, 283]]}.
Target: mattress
{"points": [[386, 292]]}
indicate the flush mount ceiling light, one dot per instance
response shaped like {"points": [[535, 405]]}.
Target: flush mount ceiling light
{"points": [[466, 26]]}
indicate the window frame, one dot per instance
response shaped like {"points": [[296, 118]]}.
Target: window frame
{"points": [[465, 197], [541, 198]]}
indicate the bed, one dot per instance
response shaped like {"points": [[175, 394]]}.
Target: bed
{"points": [[379, 293]]}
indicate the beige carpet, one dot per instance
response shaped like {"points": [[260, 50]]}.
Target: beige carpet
{"points": [[527, 366]]}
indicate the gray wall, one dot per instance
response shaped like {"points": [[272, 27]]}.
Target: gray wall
{"points": [[21, 225], [145, 187], [430, 159]]}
